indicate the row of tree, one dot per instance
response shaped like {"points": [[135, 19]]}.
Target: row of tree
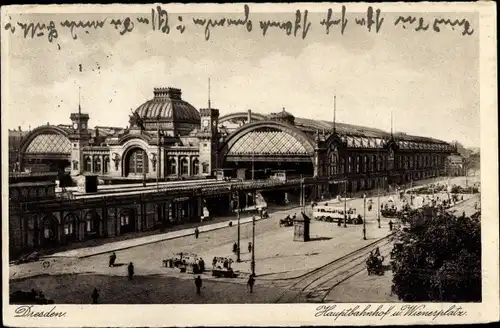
{"points": [[438, 259]]}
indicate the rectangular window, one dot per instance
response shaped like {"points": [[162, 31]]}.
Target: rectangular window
{"points": [[46, 233], [89, 225]]}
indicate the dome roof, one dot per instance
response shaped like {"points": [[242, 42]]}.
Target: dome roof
{"points": [[167, 105], [282, 116]]}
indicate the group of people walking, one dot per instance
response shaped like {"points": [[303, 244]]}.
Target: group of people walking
{"points": [[199, 283]]}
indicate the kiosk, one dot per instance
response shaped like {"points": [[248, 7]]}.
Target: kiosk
{"points": [[301, 228]]}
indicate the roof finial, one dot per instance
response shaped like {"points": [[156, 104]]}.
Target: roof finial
{"points": [[334, 111], [209, 104], [283, 109], [391, 126]]}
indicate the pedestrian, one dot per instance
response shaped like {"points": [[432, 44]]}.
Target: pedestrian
{"points": [[198, 283], [196, 232], [390, 225], [235, 248], [95, 296], [249, 247], [214, 262], [130, 271], [250, 283], [112, 259], [201, 264]]}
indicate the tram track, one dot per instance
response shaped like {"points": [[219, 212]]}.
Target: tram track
{"points": [[321, 291], [320, 276]]}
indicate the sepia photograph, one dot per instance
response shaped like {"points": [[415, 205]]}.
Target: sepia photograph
{"points": [[249, 154]]}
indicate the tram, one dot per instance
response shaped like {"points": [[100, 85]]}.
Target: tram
{"points": [[333, 213]]}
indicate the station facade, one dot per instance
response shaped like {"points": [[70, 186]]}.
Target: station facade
{"points": [[169, 139]]}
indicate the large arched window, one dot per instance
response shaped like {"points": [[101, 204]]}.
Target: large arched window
{"points": [[365, 164], [49, 230], [97, 164], [105, 167], [70, 227], [92, 224], [137, 162], [380, 163], [172, 166], [333, 164], [358, 164], [373, 163], [342, 165], [195, 167], [184, 166], [349, 164], [87, 164]]}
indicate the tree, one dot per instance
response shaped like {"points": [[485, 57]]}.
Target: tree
{"points": [[464, 152], [438, 259]]}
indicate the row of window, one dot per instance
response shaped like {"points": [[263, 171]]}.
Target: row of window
{"points": [[96, 166], [374, 163], [137, 164], [418, 161], [355, 164]]}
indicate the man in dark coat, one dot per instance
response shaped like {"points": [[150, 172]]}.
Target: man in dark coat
{"points": [[250, 283], [112, 259], [390, 225], [130, 270], [196, 233], [198, 283], [95, 296]]}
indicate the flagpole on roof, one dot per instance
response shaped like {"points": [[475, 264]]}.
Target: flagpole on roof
{"points": [[334, 112]]}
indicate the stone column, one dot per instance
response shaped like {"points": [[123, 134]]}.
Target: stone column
{"points": [[189, 165], [178, 159]]}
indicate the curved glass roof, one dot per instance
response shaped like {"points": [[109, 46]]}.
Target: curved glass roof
{"points": [[268, 143], [49, 143]]}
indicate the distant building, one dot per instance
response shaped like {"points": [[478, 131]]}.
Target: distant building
{"points": [[455, 165], [15, 142]]}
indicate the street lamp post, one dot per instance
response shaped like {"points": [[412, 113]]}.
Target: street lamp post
{"points": [[345, 203], [378, 202], [252, 264], [238, 217], [144, 163], [364, 217]]}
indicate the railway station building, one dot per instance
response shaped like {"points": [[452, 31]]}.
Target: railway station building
{"points": [[169, 139]]}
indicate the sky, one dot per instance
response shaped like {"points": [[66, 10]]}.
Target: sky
{"points": [[428, 80]]}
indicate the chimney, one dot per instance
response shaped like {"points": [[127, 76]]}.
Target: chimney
{"points": [[249, 116]]}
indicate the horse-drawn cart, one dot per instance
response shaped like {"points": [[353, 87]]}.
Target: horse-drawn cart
{"points": [[286, 222], [374, 265]]}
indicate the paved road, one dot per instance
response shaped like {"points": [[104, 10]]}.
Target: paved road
{"points": [[71, 280]]}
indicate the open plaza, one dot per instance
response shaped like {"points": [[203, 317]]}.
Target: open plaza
{"points": [[71, 276]]}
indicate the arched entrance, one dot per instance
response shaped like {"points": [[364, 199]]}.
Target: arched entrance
{"points": [[136, 162], [258, 150], [92, 223], [49, 231], [127, 220], [70, 228]]}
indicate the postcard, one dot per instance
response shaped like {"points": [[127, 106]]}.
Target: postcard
{"points": [[249, 164]]}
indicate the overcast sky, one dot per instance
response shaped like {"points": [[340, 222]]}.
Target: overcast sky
{"points": [[430, 81]]}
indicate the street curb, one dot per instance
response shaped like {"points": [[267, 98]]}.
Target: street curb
{"points": [[157, 241]]}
